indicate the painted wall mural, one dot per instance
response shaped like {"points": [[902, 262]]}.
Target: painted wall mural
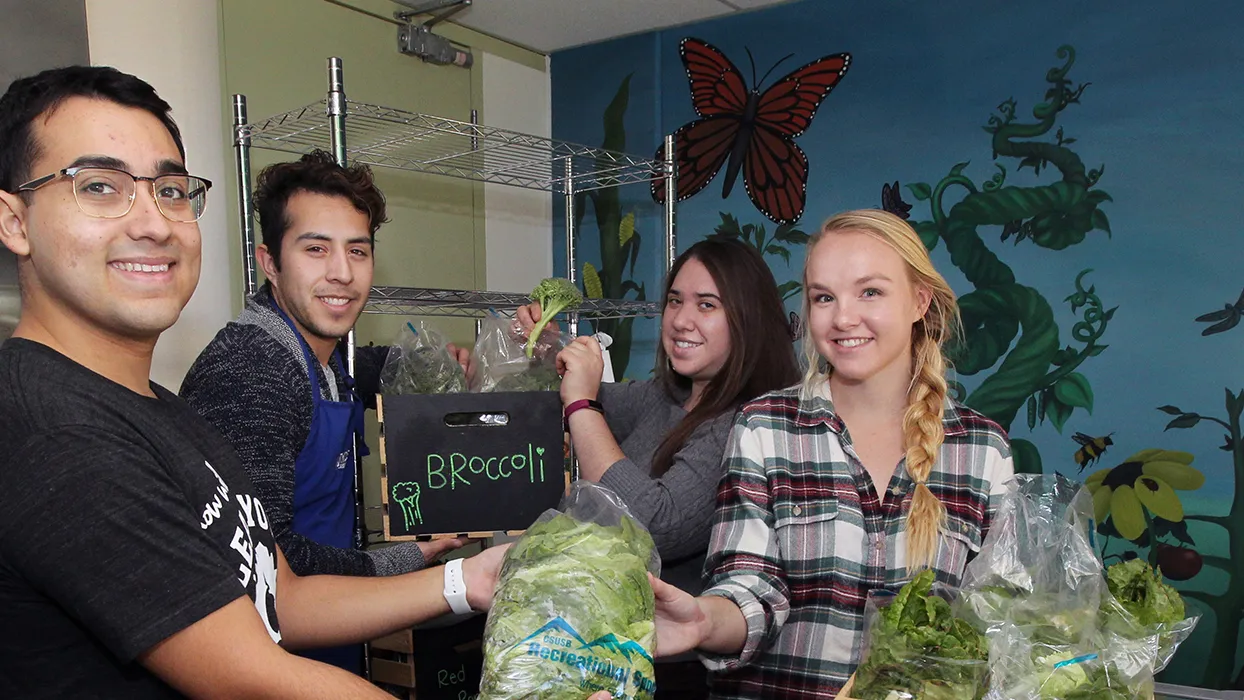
{"points": [[1075, 172], [747, 130], [1009, 327]]}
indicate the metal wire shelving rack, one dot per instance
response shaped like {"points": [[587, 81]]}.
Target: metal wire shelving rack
{"points": [[357, 132], [394, 138], [409, 301]]}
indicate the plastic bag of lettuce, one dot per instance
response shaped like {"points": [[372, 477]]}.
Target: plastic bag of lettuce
{"points": [[573, 609], [501, 359], [1059, 626], [418, 363], [917, 647]]}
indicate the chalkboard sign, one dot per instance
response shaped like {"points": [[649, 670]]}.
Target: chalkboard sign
{"points": [[440, 660], [448, 660], [469, 463]]}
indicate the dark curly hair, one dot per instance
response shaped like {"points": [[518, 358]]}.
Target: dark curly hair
{"points": [[28, 98], [318, 173]]}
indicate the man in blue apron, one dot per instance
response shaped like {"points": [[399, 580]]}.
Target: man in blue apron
{"points": [[275, 381]]}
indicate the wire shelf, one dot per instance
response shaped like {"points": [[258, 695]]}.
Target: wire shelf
{"points": [[411, 301], [393, 138]]}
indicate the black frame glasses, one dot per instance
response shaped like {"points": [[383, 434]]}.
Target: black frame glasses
{"points": [[193, 193]]}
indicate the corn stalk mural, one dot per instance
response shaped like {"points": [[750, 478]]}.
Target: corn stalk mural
{"points": [[619, 241], [1005, 321]]}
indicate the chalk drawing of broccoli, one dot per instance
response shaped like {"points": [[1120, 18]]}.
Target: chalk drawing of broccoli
{"points": [[406, 493]]}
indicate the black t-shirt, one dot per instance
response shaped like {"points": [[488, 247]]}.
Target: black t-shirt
{"points": [[123, 520]]}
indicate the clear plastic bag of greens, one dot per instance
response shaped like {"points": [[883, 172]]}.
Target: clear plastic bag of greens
{"points": [[1056, 629], [501, 360], [1025, 666], [918, 647], [573, 610], [1039, 546], [419, 363], [1141, 609]]}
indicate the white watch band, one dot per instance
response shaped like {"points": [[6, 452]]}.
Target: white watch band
{"points": [[455, 588]]}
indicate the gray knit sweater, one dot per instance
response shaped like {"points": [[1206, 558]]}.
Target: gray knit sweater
{"points": [[677, 508], [251, 382]]}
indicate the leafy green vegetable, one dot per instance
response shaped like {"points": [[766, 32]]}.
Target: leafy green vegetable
{"points": [[540, 377], [572, 614], [554, 295], [1141, 591], [1072, 647], [1141, 607], [1066, 676], [1060, 626], [1046, 619], [420, 364], [918, 649]]}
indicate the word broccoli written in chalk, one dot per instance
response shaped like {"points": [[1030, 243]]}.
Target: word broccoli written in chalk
{"points": [[456, 470]]}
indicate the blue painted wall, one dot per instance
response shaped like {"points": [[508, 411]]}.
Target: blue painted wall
{"points": [[1162, 113]]}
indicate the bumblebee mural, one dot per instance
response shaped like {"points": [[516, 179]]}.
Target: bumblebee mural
{"points": [[1091, 448]]}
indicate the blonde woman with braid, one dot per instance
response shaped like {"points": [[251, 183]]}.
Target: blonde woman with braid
{"points": [[854, 480]]}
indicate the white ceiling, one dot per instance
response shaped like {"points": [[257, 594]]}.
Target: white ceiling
{"points": [[552, 25]]}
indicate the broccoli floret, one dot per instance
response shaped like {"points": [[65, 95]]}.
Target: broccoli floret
{"points": [[554, 295]]}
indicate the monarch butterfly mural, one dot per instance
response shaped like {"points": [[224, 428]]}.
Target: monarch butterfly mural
{"points": [[748, 130]]}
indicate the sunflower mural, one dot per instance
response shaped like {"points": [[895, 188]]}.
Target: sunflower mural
{"points": [[1136, 500]]}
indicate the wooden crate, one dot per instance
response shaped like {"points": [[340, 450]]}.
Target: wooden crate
{"points": [[845, 693], [393, 672], [436, 661], [401, 641]]}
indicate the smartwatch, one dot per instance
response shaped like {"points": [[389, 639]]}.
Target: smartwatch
{"points": [[455, 588]]}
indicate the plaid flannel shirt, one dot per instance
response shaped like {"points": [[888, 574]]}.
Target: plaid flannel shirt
{"points": [[800, 537]]}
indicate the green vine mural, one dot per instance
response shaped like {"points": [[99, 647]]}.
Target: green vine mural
{"points": [[784, 237], [1005, 321], [619, 241]]}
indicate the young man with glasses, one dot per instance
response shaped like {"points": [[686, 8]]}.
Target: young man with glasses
{"points": [[275, 383], [135, 559]]}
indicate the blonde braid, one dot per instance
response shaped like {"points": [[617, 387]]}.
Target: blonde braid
{"points": [[923, 435]]}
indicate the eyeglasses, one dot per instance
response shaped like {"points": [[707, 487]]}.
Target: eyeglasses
{"points": [[108, 193]]}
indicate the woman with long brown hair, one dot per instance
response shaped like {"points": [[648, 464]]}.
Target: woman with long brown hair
{"points": [[658, 443], [855, 480]]}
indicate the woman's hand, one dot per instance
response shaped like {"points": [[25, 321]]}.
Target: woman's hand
{"points": [[580, 366], [682, 623]]}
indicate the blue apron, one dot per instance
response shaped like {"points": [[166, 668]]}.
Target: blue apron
{"points": [[324, 509]]}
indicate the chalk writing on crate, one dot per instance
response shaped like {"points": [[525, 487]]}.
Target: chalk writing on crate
{"points": [[456, 470]]}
